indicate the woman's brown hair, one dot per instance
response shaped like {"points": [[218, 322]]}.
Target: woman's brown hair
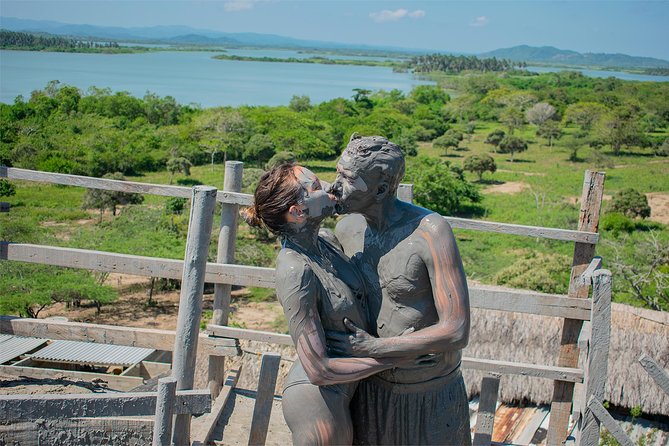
{"points": [[277, 190]]}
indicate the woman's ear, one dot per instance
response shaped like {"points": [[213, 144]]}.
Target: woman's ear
{"points": [[295, 214]]}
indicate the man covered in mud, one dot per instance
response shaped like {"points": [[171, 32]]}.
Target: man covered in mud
{"points": [[417, 301]]}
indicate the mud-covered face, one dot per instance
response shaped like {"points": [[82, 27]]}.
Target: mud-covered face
{"points": [[355, 189], [315, 203]]}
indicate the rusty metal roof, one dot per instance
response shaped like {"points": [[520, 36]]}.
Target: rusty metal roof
{"points": [[14, 346], [91, 353]]}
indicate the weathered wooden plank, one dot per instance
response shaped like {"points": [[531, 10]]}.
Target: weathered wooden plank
{"points": [[584, 251], [162, 426], [262, 410], [250, 335], [225, 253], [109, 334], [203, 428], [532, 426], [115, 382], [20, 407], [77, 432], [660, 377], [131, 264], [611, 425], [567, 374], [585, 278], [487, 365], [203, 205], [566, 235], [596, 363], [485, 418], [117, 185], [523, 301]]}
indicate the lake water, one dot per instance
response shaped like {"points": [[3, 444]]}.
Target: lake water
{"points": [[194, 77], [604, 74]]}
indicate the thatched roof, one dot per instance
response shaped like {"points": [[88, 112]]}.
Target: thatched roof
{"points": [[535, 339]]}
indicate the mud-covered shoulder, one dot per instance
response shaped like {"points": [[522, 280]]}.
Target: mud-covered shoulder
{"points": [[294, 276]]}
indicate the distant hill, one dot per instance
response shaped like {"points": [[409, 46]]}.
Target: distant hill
{"points": [[184, 35], [552, 55]]}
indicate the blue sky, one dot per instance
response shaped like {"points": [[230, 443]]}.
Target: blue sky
{"points": [[639, 28]]}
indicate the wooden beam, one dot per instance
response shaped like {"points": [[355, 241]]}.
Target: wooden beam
{"points": [[116, 185], [123, 383], [611, 425], [566, 235], [19, 407], [568, 374], [482, 296], [227, 236], [238, 198], [597, 360], [203, 205], [584, 251], [110, 334], [524, 301], [485, 419], [203, 428], [660, 377], [262, 410], [131, 264], [162, 426]]}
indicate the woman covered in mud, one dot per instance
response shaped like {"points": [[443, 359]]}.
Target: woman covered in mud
{"points": [[318, 288]]}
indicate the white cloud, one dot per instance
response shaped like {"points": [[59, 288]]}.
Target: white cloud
{"points": [[238, 5], [480, 21], [392, 16], [417, 14]]}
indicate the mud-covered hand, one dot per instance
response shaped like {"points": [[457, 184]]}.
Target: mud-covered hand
{"points": [[356, 342]]}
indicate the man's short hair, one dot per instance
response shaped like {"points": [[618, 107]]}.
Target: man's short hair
{"points": [[376, 152]]}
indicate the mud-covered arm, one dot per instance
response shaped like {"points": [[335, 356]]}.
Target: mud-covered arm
{"points": [[437, 248], [297, 289]]}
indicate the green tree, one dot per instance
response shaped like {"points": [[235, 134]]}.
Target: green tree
{"points": [[178, 164], [300, 103], [550, 130], [281, 158], [440, 187], [479, 164], [631, 203], [494, 138], [513, 117], [108, 199], [450, 139], [620, 128], [259, 149], [512, 144]]}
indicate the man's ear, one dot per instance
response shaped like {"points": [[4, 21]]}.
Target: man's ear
{"points": [[382, 191]]}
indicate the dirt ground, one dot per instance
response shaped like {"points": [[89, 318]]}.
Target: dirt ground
{"points": [[510, 187]]}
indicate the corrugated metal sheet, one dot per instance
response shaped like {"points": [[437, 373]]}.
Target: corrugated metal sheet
{"points": [[91, 353], [14, 346]]}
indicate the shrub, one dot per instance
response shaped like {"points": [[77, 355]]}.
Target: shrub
{"points": [[280, 158], [175, 205], [616, 223], [631, 203], [7, 189], [546, 273], [479, 164], [440, 187]]}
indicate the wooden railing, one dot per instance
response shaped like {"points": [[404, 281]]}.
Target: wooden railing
{"points": [[574, 308]]}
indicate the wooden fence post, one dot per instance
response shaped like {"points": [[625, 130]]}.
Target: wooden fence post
{"points": [[232, 182], [485, 419], [269, 367], [162, 426], [597, 360], [203, 204], [563, 392]]}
